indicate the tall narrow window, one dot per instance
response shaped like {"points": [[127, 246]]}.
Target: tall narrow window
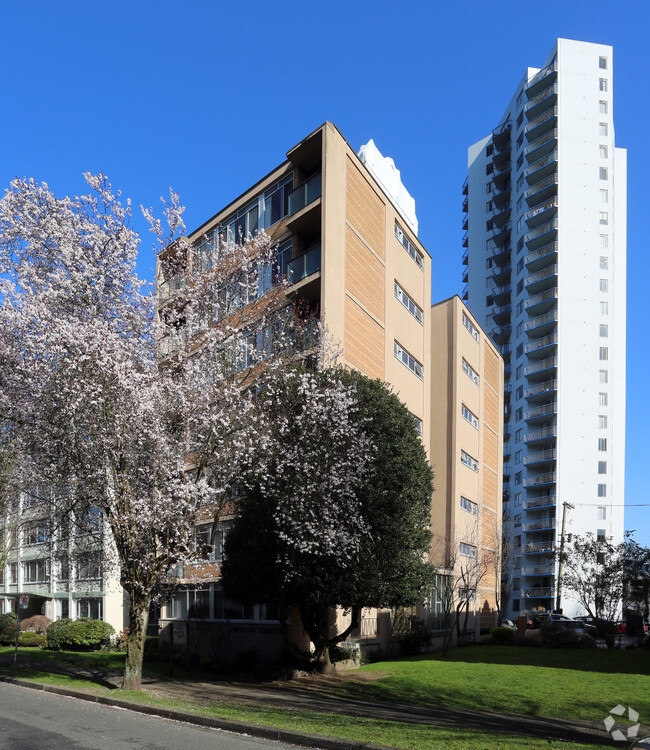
{"points": [[602, 84], [604, 196], [602, 172], [604, 330], [603, 353], [602, 421], [602, 106], [602, 128], [602, 399], [602, 63], [603, 151]]}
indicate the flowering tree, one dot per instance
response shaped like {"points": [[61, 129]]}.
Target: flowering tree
{"points": [[335, 507], [115, 419]]}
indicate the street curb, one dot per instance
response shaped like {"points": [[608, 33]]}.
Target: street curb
{"points": [[238, 727]]}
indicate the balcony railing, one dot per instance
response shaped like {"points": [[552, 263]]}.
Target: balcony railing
{"points": [[305, 194], [540, 119], [540, 479], [538, 299], [538, 570], [544, 433], [542, 343], [304, 265], [541, 320], [532, 104], [534, 548], [539, 77], [170, 344], [540, 411], [539, 593], [544, 138], [533, 215], [544, 364], [540, 457], [539, 524], [541, 275], [172, 287], [534, 503], [539, 231], [540, 186], [542, 252]]}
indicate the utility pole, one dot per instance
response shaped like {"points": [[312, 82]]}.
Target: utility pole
{"points": [[560, 570]]}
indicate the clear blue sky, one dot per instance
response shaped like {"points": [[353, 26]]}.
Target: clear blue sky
{"points": [[207, 97]]}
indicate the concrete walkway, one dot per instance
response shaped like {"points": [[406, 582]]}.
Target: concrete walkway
{"points": [[310, 694]]}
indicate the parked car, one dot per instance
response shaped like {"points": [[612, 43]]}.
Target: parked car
{"points": [[537, 620]]}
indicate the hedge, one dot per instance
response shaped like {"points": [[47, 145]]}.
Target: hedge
{"points": [[78, 635]]}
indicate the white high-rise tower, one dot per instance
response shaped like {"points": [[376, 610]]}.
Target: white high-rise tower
{"points": [[545, 204]]}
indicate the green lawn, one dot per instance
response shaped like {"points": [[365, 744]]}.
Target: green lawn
{"points": [[547, 682], [564, 683]]}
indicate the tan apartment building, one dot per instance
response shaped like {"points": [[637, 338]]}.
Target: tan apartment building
{"points": [[347, 240], [466, 455]]}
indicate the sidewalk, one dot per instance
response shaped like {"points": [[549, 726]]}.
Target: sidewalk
{"points": [[304, 693]]}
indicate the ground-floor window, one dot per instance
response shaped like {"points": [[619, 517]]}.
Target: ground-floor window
{"points": [[210, 604], [90, 607]]}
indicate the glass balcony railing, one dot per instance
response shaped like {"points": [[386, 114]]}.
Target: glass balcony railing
{"points": [[171, 287], [540, 457], [538, 570], [534, 548], [541, 389], [534, 503], [304, 265], [544, 434], [540, 524], [305, 194], [540, 593]]}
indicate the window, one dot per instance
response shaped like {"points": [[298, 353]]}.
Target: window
{"points": [[409, 304], [602, 444], [470, 462], [518, 458], [604, 308], [489, 225], [471, 327], [604, 195], [601, 512], [520, 308], [602, 63], [600, 534], [469, 506], [602, 467], [520, 286], [517, 499], [244, 224], [470, 372], [276, 201], [602, 490], [489, 168], [468, 550], [520, 140], [409, 246], [515, 605], [604, 217], [602, 107], [604, 285], [520, 181], [604, 260], [488, 207], [604, 330], [489, 149], [406, 359], [520, 265], [488, 188], [602, 128], [519, 371], [602, 399], [36, 533], [517, 478], [602, 173], [602, 84], [602, 150], [469, 416], [518, 435], [603, 376], [519, 414], [36, 571], [519, 351], [89, 567], [90, 607], [602, 421], [603, 353], [516, 541]]}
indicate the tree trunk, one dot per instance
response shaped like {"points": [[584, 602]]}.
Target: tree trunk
{"points": [[138, 619]]}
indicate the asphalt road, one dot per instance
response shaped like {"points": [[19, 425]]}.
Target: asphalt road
{"points": [[31, 720]]}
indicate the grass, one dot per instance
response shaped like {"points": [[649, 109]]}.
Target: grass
{"points": [[563, 683], [546, 682]]}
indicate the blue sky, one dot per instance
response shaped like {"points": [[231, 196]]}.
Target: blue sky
{"points": [[207, 98]]}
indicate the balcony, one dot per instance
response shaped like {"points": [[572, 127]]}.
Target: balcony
{"points": [[465, 258], [542, 213], [304, 265], [541, 390], [542, 367], [541, 257], [539, 593], [542, 80], [541, 348], [464, 221], [541, 457], [541, 524], [500, 274], [541, 124], [501, 136], [536, 503], [465, 275], [500, 294], [538, 570], [499, 217], [540, 412], [540, 325], [305, 194], [170, 344], [541, 147], [465, 240], [501, 194], [540, 480], [501, 177], [501, 234], [465, 292], [171, 287], [543, 235], [466, 186], [465, 203], [541, 102], [501, 333], [541, 190], [541, 169], [501, 315], [545, 433], [541, 302], [500, 254], [537, 548]]}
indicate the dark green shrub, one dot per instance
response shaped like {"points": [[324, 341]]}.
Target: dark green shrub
{"points": [[502, 634], [8, 629], [344, 653], [30, 639], [79, 635], [418, 638]]}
